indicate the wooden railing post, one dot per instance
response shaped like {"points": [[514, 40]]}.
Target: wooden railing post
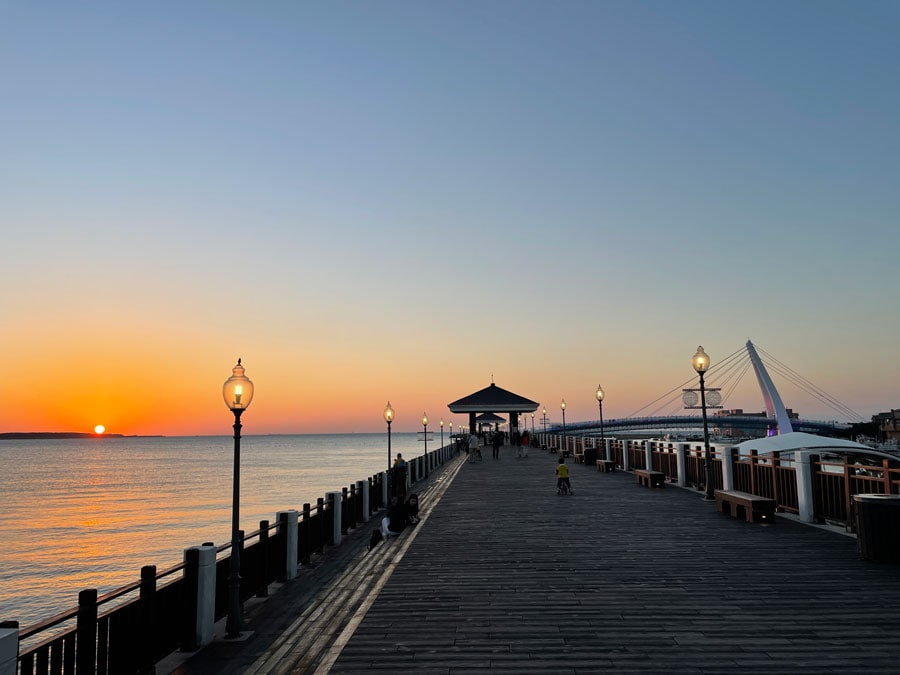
{"points": [[190, 599], [776, 487], [346, 511], [147, 612], [334, 508], [848, 492], [285, 570], [324, 524], [304, 541], [86, 631], [362, 489], [754, 459], [262, 581], [356, 509]]}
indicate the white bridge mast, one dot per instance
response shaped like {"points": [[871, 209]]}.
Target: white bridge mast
{"points": [[774, 406]]}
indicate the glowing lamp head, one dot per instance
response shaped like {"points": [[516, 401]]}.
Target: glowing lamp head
{"points": [[700, 360], [238, 389], [563, 404], [600, 393], [388, 413], [424, 420]]}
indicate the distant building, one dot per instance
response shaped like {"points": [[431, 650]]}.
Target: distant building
{"points": [[887, 425], [734, 429]]}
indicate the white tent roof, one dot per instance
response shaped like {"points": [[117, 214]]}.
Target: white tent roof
{"points": [[797, 440]]}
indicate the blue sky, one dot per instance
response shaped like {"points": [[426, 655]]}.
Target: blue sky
{"points": [[397, 199]]}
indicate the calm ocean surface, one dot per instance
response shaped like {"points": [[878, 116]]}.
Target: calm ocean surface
{"points": [[89, 513]]}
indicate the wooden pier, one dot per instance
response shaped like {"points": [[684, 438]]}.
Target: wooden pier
{"points": [[505, 576]]}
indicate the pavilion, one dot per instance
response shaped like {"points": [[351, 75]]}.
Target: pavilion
{"points": [[489, 419], [493, 399]]}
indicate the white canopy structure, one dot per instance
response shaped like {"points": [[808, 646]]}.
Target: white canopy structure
{"points": [[798, 440]]}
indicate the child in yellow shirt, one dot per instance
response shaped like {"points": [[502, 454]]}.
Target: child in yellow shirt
{"points": [[563, 486]]}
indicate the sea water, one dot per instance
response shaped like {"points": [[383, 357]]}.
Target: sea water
{"points": [[89, 513]]}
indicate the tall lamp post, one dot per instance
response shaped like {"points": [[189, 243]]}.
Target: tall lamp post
{"points": [[389, 417], [700, 361], [237, 392], [545, 420], [532, 424], [565, 440], [600, 396], [442, 433], [425, 438]]}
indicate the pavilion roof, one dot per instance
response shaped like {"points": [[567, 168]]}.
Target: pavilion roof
{"points": [[493, 399]]}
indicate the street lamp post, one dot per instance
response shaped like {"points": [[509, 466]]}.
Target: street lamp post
{"points": [[388, 417], [442, 434], [565, 440], [237, 392], [425, 438], [544, 422], [532, 424], [600, 396], [700, 361]]}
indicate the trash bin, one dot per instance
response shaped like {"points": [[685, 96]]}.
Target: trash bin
{"points": [[590, 456], [877, 527]]}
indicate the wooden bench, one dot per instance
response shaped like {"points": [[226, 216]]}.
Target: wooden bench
{"points": [[606, 465], [650, 479], [750, 507]]}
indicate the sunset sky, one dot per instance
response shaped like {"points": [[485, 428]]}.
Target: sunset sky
{"points": [[386, 200]]}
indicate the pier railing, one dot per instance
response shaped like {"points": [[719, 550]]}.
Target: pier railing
{"points": [[133, 627], [817, 490]]}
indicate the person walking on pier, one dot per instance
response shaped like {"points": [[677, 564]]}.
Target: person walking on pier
{"points": [[399, 479], [496, 442], [474, 449]]}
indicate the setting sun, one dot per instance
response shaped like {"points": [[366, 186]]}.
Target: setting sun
{"points": [[99, 429]]}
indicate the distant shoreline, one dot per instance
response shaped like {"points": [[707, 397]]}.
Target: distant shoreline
{"points": [[49, 435]]}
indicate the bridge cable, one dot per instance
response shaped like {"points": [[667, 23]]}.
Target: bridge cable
{"points": [[810, 388]]}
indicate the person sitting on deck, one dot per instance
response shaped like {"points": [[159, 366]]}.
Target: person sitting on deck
{"points": [[412, 509], [399, 515]]}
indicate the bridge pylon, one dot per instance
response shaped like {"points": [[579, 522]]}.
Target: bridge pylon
{"points": [[774, 405]]}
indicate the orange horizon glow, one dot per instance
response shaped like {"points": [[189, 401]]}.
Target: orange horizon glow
{"points": [[137, 393]]}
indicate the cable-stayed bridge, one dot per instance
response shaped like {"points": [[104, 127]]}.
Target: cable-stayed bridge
{"points": [[723, 378]]}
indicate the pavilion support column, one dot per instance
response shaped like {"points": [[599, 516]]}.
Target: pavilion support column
{"points": [[472, 428]]}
